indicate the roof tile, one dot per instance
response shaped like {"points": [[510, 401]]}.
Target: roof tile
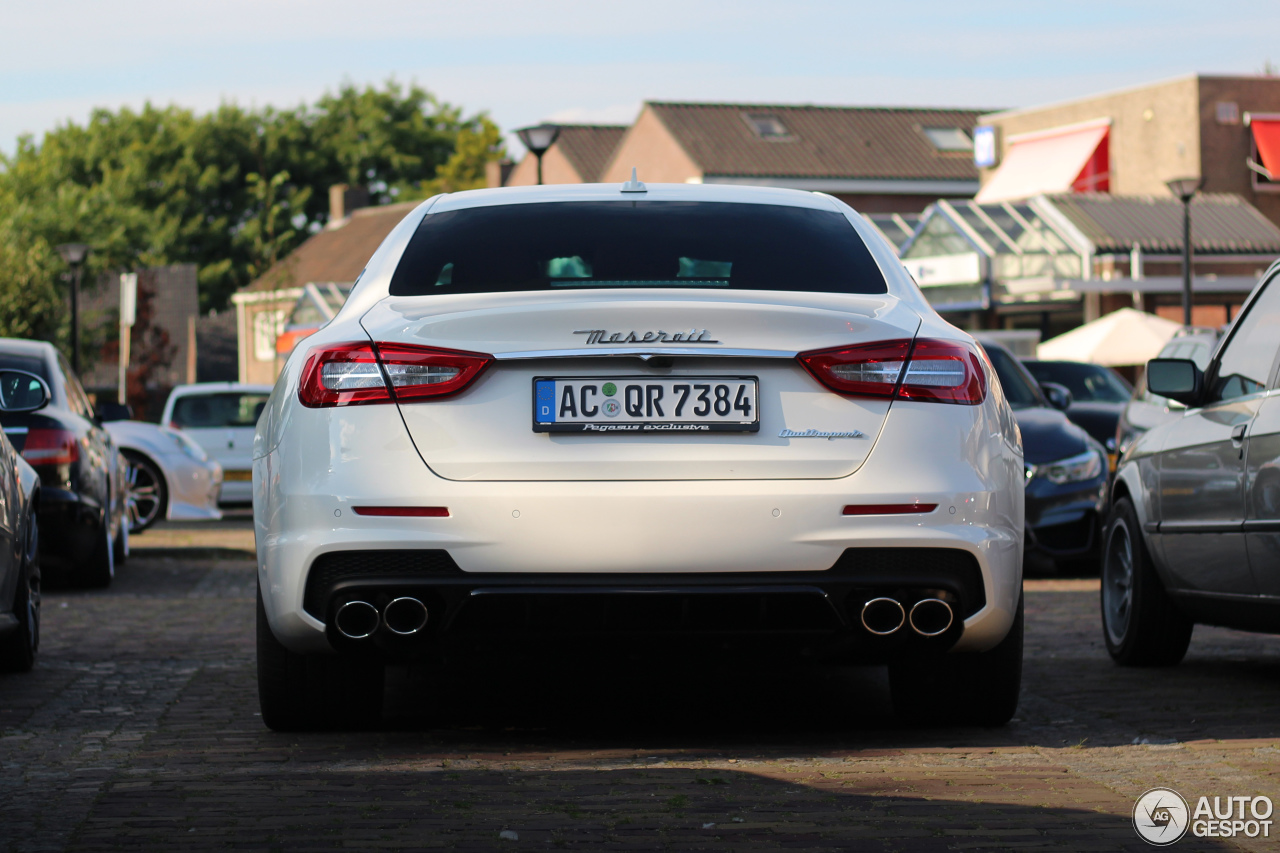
{"points": [[1221, 223], [823, 142]]}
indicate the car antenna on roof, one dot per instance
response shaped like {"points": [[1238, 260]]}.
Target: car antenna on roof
{"points": [[633, 185]]}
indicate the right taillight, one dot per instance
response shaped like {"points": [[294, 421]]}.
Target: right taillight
{"points": [[358, 373], [46, 446], [927, 369]]}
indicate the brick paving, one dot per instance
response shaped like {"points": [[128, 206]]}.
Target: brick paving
{"points": [[138, 730]]}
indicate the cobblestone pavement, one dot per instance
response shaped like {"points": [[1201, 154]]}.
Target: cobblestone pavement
{"points": [[139, 730]]}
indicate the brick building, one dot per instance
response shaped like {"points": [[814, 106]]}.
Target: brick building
{"points": [[1131, 141]]}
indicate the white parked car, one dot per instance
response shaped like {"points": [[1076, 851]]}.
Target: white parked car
{"points": [[169, 475], [220, 417], [610, 411]]}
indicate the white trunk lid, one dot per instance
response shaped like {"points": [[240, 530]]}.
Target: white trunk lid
{"points": [[487, 433]]}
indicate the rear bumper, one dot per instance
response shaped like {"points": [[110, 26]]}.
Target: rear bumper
{"points": [[69, 528], [716, 534], [821, 610]]}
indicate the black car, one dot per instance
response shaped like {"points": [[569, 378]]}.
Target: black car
{"points": [[82, 475], [1066, 468], [1098, 396], [19, 531], [1193, 535]]}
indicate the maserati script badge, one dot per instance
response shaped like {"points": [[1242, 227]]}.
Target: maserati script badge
{"points": [[603, 337], [821, 433]]}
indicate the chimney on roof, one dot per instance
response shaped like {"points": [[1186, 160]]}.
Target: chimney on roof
{"points": [[345, 199]]}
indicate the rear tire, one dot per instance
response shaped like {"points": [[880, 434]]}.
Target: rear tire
{"points": [[978, 689], [298, 693], [18, 650], [100, 568], [1141, 624], [148, 494]]}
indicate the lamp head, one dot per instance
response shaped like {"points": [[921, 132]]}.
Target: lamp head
{"points": [[538, 139], [73, 253], [1184, 188]]}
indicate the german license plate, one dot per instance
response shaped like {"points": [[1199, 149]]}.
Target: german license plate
{"points": [[646, 404]]}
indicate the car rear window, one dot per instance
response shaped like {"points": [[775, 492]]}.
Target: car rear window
{"points": [[227, 409], [635, 244], [30, 363]]}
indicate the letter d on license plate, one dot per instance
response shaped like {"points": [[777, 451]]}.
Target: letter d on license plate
{"points": [[646, 404]]}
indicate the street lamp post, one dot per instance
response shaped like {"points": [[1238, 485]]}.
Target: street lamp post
{"points": [[538, 139], [1185, 189], [74, 254]]}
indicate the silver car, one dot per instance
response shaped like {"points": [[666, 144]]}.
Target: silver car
{"points": [[1194, 530], [170, 476]]}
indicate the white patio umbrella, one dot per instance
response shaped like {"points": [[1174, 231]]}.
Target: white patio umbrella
{"points": [[1120, 338]]}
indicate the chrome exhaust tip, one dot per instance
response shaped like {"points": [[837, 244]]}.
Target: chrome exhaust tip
{"points": [[405, 616], [356, 620], [931, 617], [883, 616]]}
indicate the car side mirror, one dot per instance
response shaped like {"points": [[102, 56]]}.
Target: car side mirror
{"points": [[21, 391], [1176, 378], [1059, 396]]}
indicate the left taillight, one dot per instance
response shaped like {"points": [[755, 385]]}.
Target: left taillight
{"points": [[360, 373], [926, 369], [45, 446]]}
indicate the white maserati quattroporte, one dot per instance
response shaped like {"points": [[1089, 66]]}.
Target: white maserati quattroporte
{"points": [[663, 414]]}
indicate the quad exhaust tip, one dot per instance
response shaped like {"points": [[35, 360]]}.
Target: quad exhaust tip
{"points": [[883, 616], [357, 620], [405, 616], [931, 617]]}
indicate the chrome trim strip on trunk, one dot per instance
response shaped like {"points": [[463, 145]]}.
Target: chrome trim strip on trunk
{"points": [[645, 351]]}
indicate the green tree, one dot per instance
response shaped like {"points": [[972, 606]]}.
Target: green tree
{"points": [[233, 191]]}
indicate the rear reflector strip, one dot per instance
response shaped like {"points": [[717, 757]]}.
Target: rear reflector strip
{"points": [[404, 511], [887, 509]]}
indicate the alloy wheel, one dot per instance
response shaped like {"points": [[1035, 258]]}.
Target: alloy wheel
{"points": [[1117, 582], [142, 503]]}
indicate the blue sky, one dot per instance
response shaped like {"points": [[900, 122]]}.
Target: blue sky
{"points": [[531, 60]]}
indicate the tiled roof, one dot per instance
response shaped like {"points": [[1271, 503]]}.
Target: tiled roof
{"points": [[337, 254], [589, 147], [820, 142], [1221, 223]]}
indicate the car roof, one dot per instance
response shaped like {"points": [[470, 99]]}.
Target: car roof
{"points": [[613, 192], [26, 347]]}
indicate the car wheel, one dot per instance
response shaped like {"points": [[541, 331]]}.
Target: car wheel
{"points": [[148, 494], [979, 688], [100, 568], [299, 692], [1140, 622], [18, 650]]}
